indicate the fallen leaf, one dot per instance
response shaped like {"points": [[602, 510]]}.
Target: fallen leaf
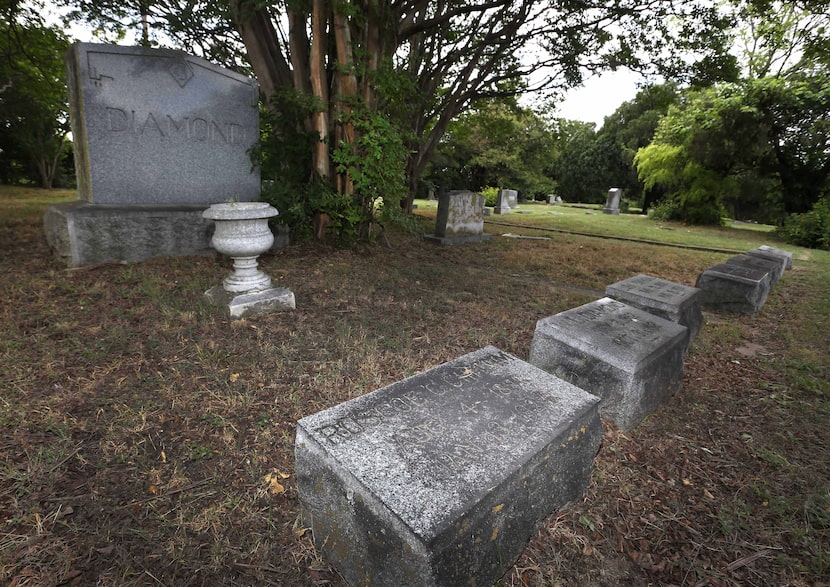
{"points": [[272, 480], [233, 377]]}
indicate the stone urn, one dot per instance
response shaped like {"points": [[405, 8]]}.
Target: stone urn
{"points": [[242, 233]]}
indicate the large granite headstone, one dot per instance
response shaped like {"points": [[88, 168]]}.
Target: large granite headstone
{"points": [[159, 136], [774, 267], [733, 288], [442, 478], [631, 359], [612, 202], [460, 219], [512, 198], [661, 297]]}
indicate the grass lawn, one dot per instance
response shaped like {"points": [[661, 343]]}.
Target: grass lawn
{"points": [[148, 440]]}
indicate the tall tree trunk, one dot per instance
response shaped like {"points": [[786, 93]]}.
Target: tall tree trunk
{"points": [[346, 93], [260, 39], [319, 86]]}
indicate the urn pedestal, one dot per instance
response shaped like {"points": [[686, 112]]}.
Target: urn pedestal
{"points": [[242, 233]]}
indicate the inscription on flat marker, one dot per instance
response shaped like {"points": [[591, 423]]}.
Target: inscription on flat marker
{"points": [[441, 479], [631, 359]]}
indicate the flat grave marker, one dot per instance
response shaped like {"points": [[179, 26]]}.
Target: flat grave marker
{"points": [[733, 288], [783, 258], [442, 478], [775, 269], [631, 359], [661, 297]]}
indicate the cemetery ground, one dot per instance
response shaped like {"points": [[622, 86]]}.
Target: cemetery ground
{"points": [[148, 440]]}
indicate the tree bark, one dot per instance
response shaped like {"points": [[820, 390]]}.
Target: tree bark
{"points": [[257, 31], [319, 86]]}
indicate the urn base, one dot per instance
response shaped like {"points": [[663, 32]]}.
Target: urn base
{"points": [[242, 305]]}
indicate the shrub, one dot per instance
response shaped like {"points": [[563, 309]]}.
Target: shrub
{"points": [[491, 194], [809, 229], [665, 210]]}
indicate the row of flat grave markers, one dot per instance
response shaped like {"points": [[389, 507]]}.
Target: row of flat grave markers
{"points": [[743, 283], [441, 479]]}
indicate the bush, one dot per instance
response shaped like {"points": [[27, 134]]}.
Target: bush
{"points": [[665, 210], [691, 207], [491, 194], [809, 229]]}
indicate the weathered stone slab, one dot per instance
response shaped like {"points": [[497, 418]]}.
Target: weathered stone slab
{"points": [[765, 252], [774, 268], [513, 198], [732, 288], [460, 219], [612, 202], [631, 359], [442, 478], [661, 297]]}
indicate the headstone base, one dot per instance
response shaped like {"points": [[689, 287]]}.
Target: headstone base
{"points": [[80, 233], [242, 305], [457, 240], [610, 210]]}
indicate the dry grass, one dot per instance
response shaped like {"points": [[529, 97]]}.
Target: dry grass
{"points": [[147, 440]]}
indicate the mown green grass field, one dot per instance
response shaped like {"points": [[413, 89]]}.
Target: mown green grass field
{"points": [[145, 439]]}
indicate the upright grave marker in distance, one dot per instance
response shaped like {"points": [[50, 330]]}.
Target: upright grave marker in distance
{"points": [[460, 219], [612, 202], [159, 136], [442, 478], [666, 299], [629, 358], [502, 203], [732, 288]]}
